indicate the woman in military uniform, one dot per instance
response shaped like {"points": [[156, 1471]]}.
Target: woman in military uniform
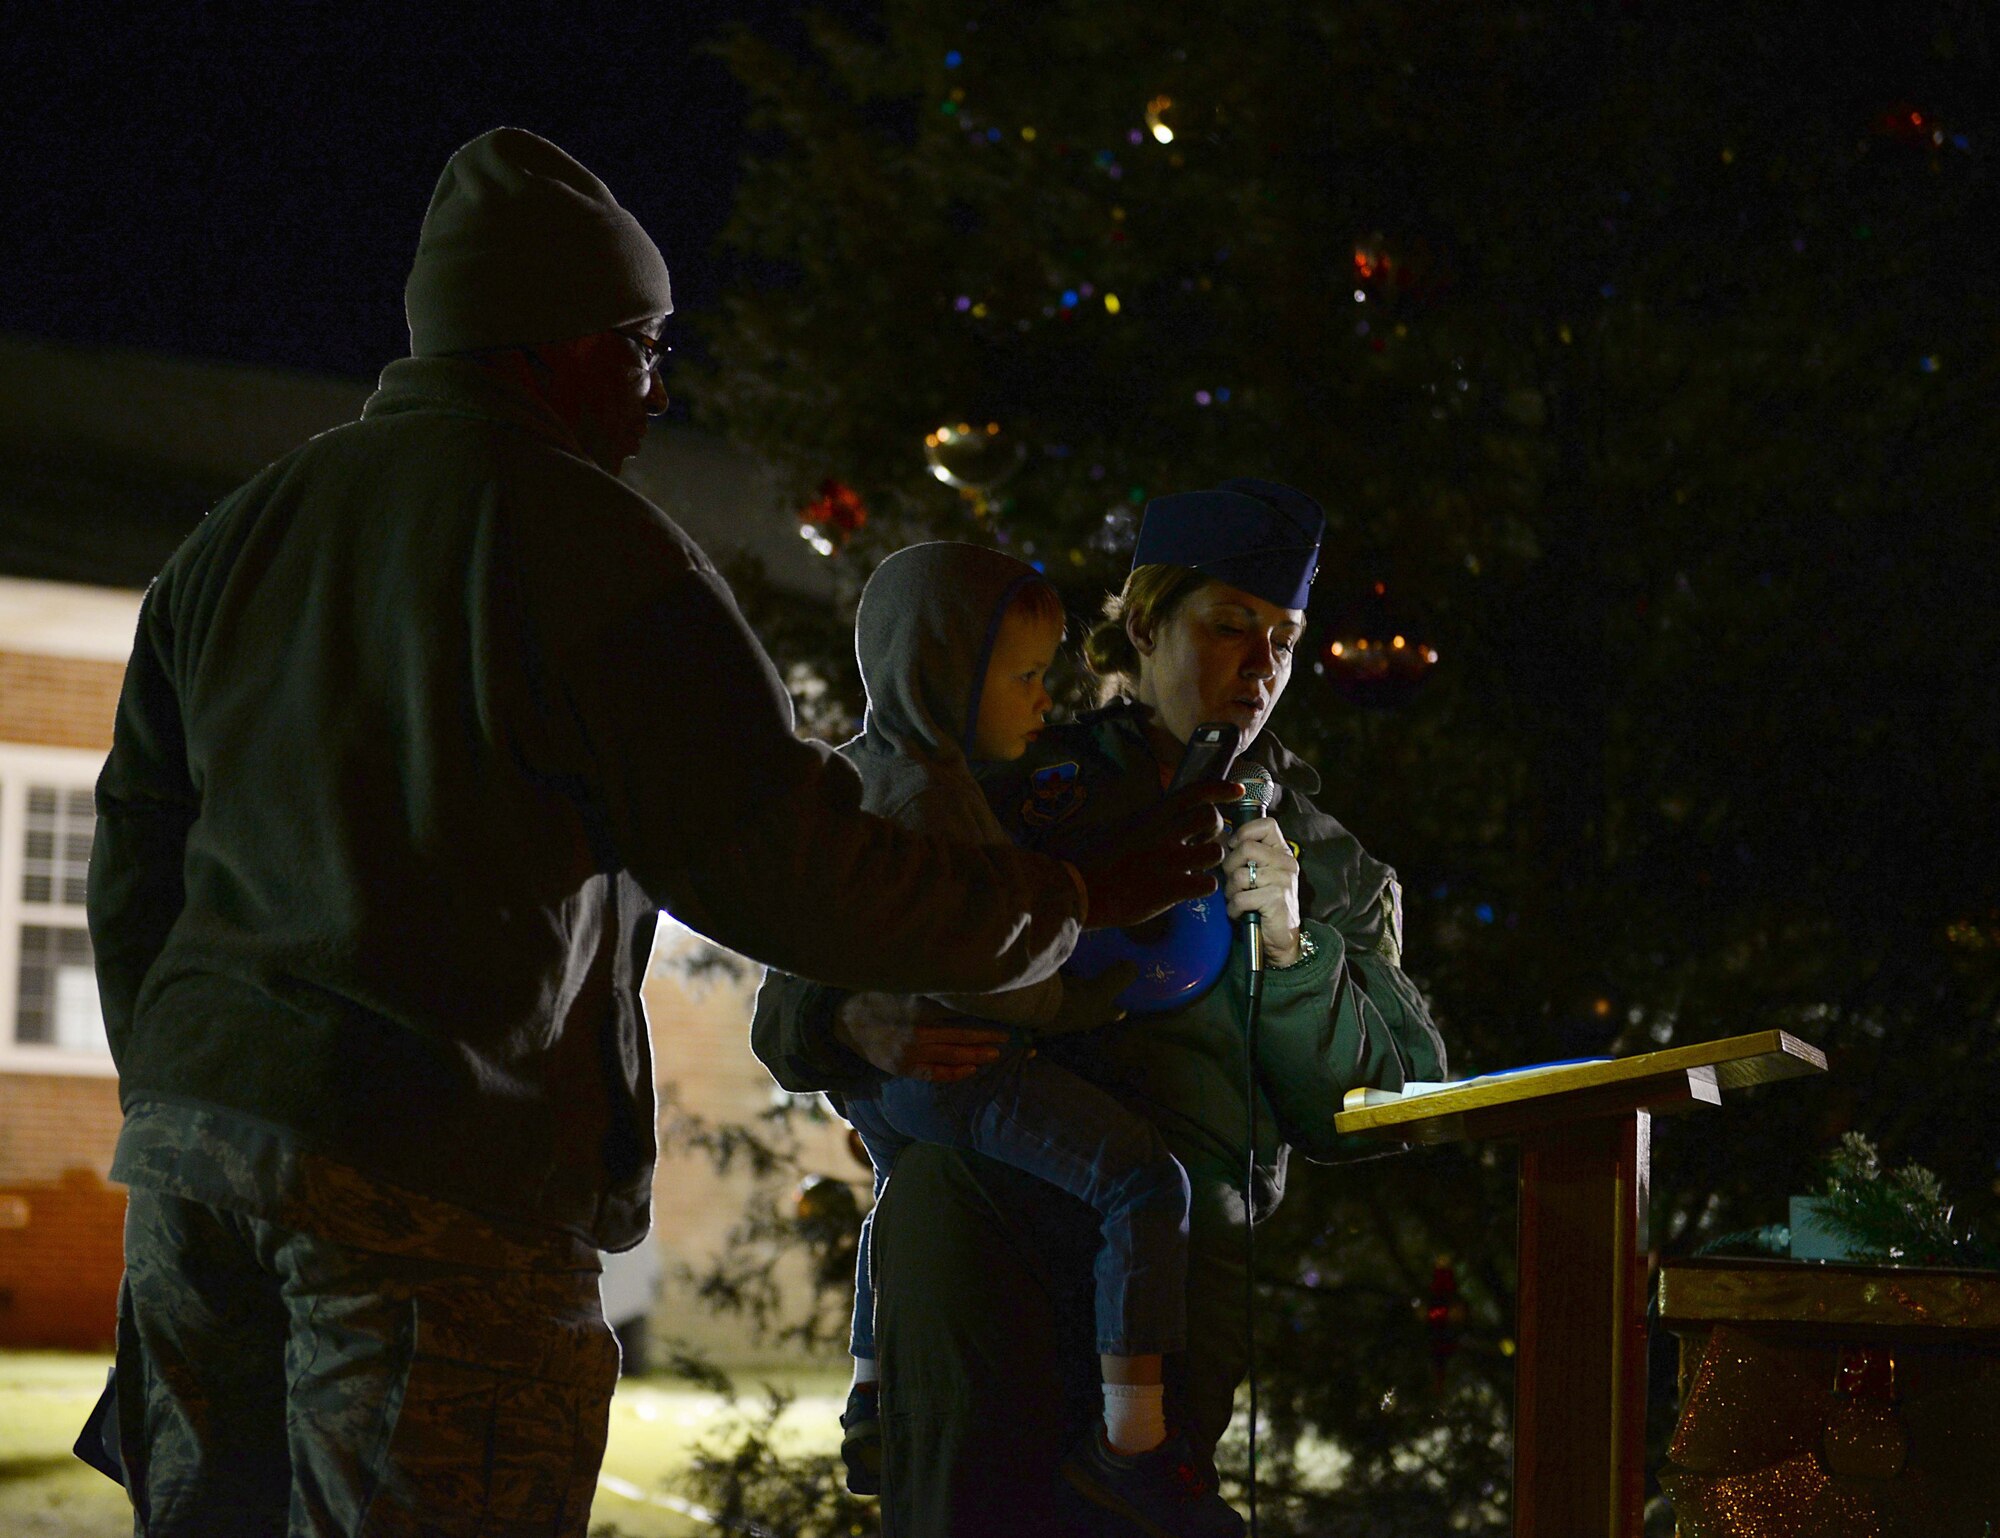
{"points": [[988, 1371]]}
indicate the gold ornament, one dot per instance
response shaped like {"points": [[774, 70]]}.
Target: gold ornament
{"points": [[974, 460]]}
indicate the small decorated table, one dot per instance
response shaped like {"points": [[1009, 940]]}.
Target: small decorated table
{"points": [[1586, 1157], [1825, 1400]]}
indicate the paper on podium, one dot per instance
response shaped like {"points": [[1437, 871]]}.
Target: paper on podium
{"points": [[1355, 1099]]}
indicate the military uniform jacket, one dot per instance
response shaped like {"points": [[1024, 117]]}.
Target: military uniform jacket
{"points": [[1345, 1017]]}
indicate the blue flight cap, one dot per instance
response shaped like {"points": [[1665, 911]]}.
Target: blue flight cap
{"points": [[1256, 535]]}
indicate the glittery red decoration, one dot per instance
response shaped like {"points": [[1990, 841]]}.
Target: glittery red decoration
{"points": [[837, 506]]}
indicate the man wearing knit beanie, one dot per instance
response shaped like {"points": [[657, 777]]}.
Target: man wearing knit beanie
{"points": [[421, 729], [526, 260]]}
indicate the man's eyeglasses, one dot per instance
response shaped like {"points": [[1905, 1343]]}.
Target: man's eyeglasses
{"points": [[652, 352]]}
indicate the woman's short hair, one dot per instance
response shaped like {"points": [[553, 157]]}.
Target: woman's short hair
{"points": [[1149, 598]]}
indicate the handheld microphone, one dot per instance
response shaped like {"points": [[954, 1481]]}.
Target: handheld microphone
{"points": [[1260, 794]]}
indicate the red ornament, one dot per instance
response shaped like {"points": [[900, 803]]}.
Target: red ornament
{"points": [[835, 513], [1868, 1372], [1410, 269], [1371, 261], [1909, 126], [1444, 1318]]}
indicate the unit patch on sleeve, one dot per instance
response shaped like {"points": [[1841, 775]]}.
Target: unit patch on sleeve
{"points": [[1053, 794]]}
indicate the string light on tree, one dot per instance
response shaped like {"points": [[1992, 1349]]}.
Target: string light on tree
{"points": [[1114, 536], [1156, 118]]}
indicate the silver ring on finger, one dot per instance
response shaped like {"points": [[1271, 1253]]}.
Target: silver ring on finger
{"points": [[1251, 867]]}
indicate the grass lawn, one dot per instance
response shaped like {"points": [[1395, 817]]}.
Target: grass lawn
{"points": [[46, 1493]]}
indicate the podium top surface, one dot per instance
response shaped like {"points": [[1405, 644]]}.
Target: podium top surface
{"points": [[1675, 1076]]}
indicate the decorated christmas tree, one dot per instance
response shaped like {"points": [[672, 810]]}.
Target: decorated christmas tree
{"points": [[1644, 359]]}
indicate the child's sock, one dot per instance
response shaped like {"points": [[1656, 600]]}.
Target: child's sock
{"points": [[866, 1374], [1135, 1417]]}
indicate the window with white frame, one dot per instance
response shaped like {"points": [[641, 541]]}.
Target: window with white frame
{"points": [[49, 1012]]}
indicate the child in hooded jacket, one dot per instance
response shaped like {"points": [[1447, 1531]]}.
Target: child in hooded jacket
{"points": [[954, 643]]}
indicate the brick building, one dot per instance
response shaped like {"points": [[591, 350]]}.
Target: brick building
{"points": [[62, 656], [91, 502]]}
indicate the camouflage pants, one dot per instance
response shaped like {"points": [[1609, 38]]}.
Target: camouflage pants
{"points": [[277, 1383]]}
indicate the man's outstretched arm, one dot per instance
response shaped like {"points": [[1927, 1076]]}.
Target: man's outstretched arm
{"points": [[757, 839]]}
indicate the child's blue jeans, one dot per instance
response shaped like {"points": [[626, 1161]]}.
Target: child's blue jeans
{"points": [[1045, 1120]]}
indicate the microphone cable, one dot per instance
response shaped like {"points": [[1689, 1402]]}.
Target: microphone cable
{"points": [[1259, 795], [1255, 996]]}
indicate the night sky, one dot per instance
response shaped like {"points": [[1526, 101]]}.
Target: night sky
{"points": [[245, 181]]}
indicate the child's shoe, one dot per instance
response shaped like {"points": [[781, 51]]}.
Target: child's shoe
{"points": [[861, 1441], [1163, 1493]]}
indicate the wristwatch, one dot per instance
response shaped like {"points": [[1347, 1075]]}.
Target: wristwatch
{"points": [[1307, 950]]}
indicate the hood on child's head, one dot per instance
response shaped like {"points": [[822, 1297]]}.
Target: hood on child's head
{"points": [[923, 634]]}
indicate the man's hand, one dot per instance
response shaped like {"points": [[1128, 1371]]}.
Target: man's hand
{"points": [[1157, 859], [913, 1038]]}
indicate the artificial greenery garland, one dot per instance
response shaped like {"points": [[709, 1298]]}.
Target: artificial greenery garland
{"points": [[1898, 1216]]}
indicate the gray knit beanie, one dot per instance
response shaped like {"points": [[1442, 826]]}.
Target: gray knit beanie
{"points": [[521, 246]]}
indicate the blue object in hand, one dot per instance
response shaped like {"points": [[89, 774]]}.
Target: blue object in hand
{"points": [[1177, 965]]}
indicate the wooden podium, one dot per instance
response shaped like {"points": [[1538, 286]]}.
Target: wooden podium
{"points": [[1580, 1367]]}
